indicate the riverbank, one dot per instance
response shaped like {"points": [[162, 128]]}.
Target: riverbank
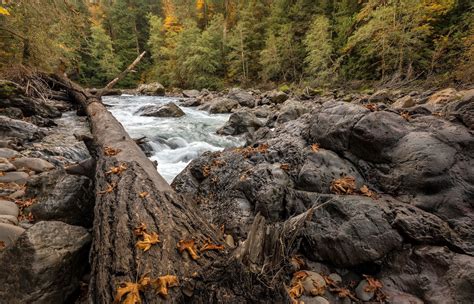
{"points": [[387, 177]]}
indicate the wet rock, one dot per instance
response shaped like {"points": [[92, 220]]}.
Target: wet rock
{"points": [[244, 98], [8, 153], [436, 274], [19, 129], [350, 230], [291, 110], [219, 105], [167, 110], [31, 106], [400, 297], [9, 234], [5, 165], [8, 208], [48, 261], [153, 89], [461, 110], [41, 122], [362, 293], [34, 164], [14, 177], [404, 102], [190, 102], [191, 93], [70, 201], [239, 123]]}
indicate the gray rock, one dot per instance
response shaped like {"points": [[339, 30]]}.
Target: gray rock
{"points": [[5, 165], [8, 208], [244, 98], [12, 112], [9, 234], [167, 110], [276, 96], [291, 110], [70, 201], [314, 284], [31, 106], [153, 89], [382, 96], [47, 261], [219, 105], [190, 102], [191, 93], [34, 164], [8, 219], [20, 129], [361, 292], [335, 277], [239, 123], [14, 177], [8, 153]]}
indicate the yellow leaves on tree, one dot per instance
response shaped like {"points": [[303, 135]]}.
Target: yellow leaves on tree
{"points": [[163, 283], [117, 170], [188, 246], [343, 185], [147, 239], [131, 291], [4, 11]]}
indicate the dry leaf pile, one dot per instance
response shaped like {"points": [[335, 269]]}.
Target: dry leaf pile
{"points": [[249, 151], [343, 185]]}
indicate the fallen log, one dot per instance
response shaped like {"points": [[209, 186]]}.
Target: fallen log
{"points": [[133, 202]]}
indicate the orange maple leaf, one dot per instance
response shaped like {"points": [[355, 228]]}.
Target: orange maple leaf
{"points": [[131, 291], [140, 229], [117, 170], [189, 246], [315, 147], [148, 241], [373, 284], [208, 246], [109, 151], [163, 283]]}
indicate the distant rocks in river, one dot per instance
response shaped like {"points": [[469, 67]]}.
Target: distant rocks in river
{"points": [[168, 110], [152, 89], [241, 122], [219, 105]]}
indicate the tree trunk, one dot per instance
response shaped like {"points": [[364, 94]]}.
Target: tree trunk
{"points": [[129, 192]]}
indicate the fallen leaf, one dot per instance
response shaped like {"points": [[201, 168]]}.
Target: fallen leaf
{"points": [[110, 188], [206, 171], [140, 229], [189, 246], [297, 261], [163, 283], [315, 147], [2, 245], [109, 151], [131, 291], [285, 167], [372, 107], [148, 241], [364, 190], [373, 284], [143, 194], [343, 185], [208, 246], [296, 290], [117, 170], [344, 293], [406, 116], [2, 173]]}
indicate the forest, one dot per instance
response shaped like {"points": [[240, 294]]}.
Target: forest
{"points": [[220, 43]]}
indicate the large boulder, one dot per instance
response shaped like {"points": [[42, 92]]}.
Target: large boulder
{"points": [[167, 110], [153, 89], [275, 96], [239, 123], [244, 98], [19, 129], [291, 110], [70, 200], [45, 264], [219, 105], [191, 93]]}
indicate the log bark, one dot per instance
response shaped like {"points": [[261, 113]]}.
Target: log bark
{"points": [[125, 72], [254, 272]]}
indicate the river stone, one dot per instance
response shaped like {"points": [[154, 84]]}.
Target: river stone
{"points": [[8, 208], [239, 123], [167, 110], [276, 96], [8, 234], [219, 105], [190, 102], [191, 93], [8, 219], [335, 277], [382, 96], [8, 153], [5, 165], [47, 261], [244, 98], [19, 129], [290, 110], [14, 177], [404, 102], [314, 284], [34, 164], [361, 293], [154, 89], [70, 201]]}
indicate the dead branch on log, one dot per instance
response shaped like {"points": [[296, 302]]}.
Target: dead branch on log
{"points": [[125, 72]]}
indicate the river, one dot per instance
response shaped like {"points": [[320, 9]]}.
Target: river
{"points": [[175, 141]]}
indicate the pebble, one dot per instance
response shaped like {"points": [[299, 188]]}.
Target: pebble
{"points": [[35, 164], [14, 177], [335, 277], [8, 153], [8, 219], [8, 208], [361, 293], [17, 194], [10, 233], [314, 284], [229, 240]]}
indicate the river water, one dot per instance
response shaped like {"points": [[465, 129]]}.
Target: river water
{"points": [[175, 141]]}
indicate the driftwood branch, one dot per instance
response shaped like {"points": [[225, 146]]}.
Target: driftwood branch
{"points": [[125, 72]]}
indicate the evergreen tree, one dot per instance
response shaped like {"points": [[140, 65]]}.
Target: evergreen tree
{"points": [[319, 49], [105, 62]]}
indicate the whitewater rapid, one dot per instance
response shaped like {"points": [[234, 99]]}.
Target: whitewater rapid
{"points": [[175, 141]]}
